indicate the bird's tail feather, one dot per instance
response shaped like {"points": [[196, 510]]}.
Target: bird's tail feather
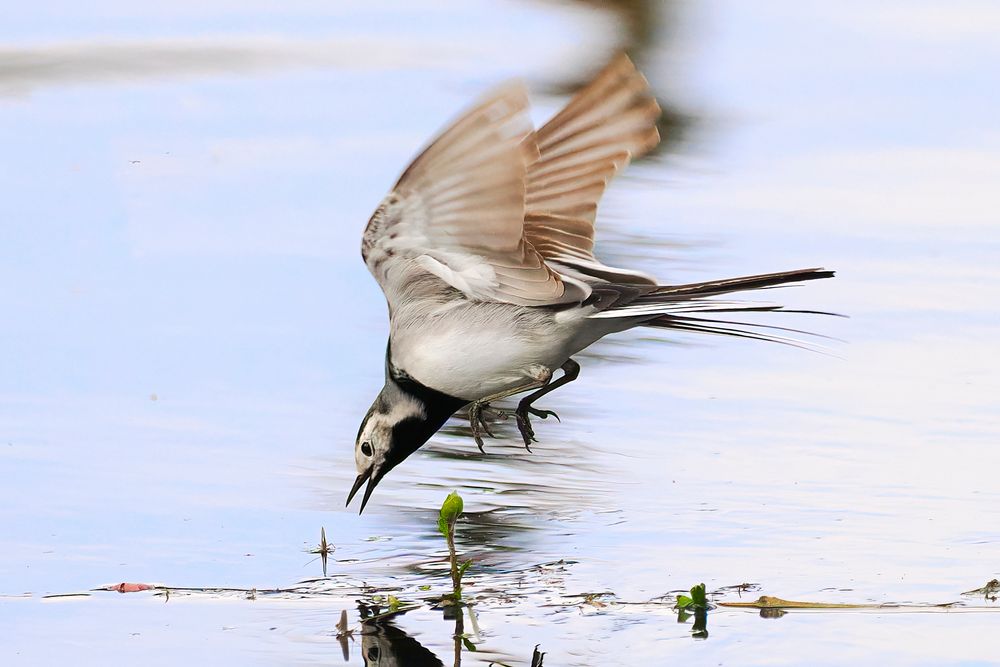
{"points": [[674, 307], [727, 285], [739, 330]]}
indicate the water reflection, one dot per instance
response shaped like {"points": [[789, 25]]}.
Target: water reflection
{"points": [[24, 69], [699, 628], [643, 29], [385, 645]]}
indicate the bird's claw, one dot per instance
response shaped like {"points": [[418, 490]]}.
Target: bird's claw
{"points": [[480, 423], [524, 426], [479, 414], [524, 422], [543, 414]]}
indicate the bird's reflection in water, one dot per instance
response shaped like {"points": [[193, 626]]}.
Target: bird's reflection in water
{"points": [[385, 645]]}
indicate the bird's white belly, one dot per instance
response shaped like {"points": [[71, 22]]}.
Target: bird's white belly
{"points": [[474, 362]]}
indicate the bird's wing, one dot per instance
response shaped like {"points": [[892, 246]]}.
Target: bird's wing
{"points": [[458, 212], [610, 121]]}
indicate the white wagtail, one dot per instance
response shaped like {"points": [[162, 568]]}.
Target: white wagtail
{"points": [[485, 252]]}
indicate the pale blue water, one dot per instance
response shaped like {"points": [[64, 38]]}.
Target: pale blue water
{"points": [[189, 338]]}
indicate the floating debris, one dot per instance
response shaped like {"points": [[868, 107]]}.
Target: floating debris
{"points": [[372, 613], [127, 587], [56, 596], [770, 602], [989, 591], [739, 589]]}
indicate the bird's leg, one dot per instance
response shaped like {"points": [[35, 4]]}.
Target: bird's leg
{"points": [[571, 370], [476, 419]]}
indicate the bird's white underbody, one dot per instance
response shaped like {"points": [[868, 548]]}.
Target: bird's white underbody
{"points": [[473, 349]]}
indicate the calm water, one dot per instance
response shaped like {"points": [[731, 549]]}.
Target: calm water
{"points": [[190, 339]]}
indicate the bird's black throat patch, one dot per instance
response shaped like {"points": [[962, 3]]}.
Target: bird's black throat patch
{"points": [[438, 405]]}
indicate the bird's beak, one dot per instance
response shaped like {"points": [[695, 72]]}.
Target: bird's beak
{"points": [[371, 476], [362, 478]]}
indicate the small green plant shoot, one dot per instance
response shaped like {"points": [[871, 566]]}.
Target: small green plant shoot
{"points": [[451, 509], [696, 600]]}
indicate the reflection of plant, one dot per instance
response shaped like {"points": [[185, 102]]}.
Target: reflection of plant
{"points": [[696, 603], [451, 509]]}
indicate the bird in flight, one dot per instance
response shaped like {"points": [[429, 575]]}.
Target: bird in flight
{"points": [[484, 250]]}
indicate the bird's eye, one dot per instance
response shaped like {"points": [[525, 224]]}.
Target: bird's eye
{"points": [[366, 448]]}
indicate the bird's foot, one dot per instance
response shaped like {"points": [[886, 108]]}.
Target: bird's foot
{"points": [[480, 415], [524, 422]]}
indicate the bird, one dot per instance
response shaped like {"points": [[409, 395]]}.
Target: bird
{"points": [[484, 250]]}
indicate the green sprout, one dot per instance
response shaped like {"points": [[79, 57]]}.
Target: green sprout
{"points": [[451, 509], [696, 603]]}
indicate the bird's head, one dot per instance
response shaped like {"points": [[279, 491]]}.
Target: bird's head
{"points": [[396, 426]]}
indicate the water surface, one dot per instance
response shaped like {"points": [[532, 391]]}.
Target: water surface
{"points": [[190, 338]]}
